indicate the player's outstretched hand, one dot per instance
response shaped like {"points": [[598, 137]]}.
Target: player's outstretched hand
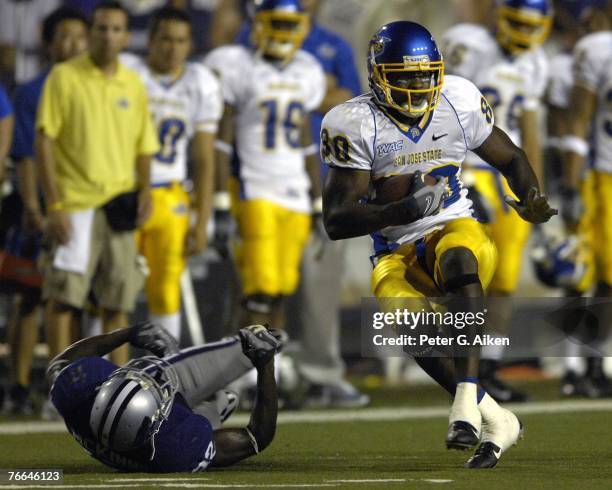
{"points": [[260, 344], [534, 209], [154, 338]]}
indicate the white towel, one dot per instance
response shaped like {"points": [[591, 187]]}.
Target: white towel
{"points": [[74, 255]]}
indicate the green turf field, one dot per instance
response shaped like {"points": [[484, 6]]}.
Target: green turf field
{"points": [[399, 444]]}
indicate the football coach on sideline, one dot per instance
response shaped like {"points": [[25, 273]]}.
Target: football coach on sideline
{"points": [[94, 142]]}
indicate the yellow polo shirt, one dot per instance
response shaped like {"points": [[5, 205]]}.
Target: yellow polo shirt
{"points": [[99, 125]]}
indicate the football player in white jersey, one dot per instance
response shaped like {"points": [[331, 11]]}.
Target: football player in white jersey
{"points": [[511, 70], [426, 244], [269, 91], [575, 272], [186, 104], [591, 103]]}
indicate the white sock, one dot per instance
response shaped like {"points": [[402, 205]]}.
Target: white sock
{"points": [[489, 409], [171, 322], [464, 406], [572, 360]]}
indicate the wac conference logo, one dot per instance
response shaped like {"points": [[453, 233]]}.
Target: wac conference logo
{"points": [[389, 147]]}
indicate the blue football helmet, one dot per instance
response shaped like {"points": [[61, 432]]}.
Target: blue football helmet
{"points": [[132, 404], [405, 67], [523, 24], [562, 263], [279, 28]]}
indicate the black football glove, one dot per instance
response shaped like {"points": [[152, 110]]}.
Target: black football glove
{"points": [[154, 338], [260, 344], [224, 229], [425, 199]]}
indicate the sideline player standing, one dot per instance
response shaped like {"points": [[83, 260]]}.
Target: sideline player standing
{"points": [[186, 103], [511, 70], [269, 91], [591, 101], [427, 244]]}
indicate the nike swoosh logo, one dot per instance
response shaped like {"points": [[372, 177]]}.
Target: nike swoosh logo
{"points": [[428, 202], [497, 453], [436, 137]]}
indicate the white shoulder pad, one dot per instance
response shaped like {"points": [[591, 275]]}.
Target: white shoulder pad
{"points": [[209, 102], [467, 49], [472, 109], [347, 134], [315, 76], [535, 66], [560, 80], [591, 57], [227, 63]]}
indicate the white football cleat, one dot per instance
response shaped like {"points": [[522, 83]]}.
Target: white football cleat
{"points": [[499, 433]]}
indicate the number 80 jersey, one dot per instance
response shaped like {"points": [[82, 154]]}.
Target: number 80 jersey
{"points": [[361, 135], [270, 103], [190, 104]]}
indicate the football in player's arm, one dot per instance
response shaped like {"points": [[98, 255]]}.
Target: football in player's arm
{"points": [[347, 216], [182, 440]]}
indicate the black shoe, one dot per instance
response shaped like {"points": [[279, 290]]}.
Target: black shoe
{"points": [[340, 394], [486, 456], [19, 401], [572, 385], [496, 388], [597, 384], [462, 436]]}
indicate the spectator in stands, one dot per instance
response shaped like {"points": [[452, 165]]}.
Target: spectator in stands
{"points": [[64, 35], [20, 53], [94, 144], [319, 296]]}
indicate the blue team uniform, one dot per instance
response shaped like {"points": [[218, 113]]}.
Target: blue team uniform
{"points": [[335, 56], [184, 442], [26, 99], [5, 104]]}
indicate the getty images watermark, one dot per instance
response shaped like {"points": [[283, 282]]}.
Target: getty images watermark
{"points": [[425, 329], [523, 327]]}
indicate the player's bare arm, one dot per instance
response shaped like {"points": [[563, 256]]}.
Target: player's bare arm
{"points": [[233, 445], [203, 157], [346, 216], [143, 182], [144, 335], [6, 136], [530, 137], [584, 104], [499, 151], [221, 201], [313, 166], [58, 226]]}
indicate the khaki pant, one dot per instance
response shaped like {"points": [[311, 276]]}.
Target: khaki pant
{"points": [[112, 272]]}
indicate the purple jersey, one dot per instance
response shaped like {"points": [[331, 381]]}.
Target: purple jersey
{"points": [[184, 442]]}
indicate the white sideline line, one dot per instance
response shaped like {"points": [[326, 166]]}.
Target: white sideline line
{"points": [[383, 480], [338, 416]]}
